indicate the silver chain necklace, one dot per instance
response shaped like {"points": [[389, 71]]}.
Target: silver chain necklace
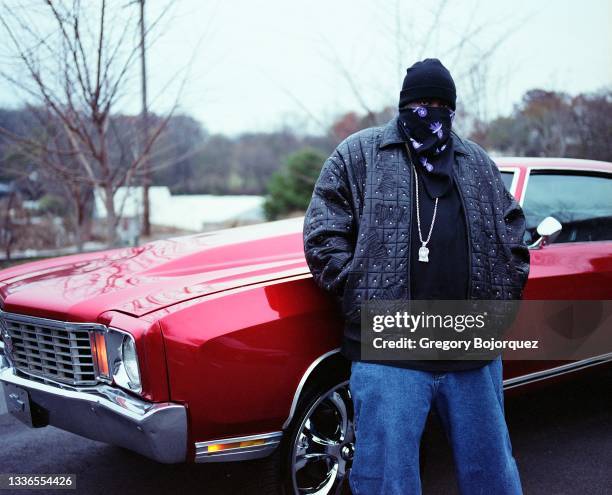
{"points": [[423, 250]]}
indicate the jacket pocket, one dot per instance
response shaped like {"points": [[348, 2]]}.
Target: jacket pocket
{"points": [[351, 297]]}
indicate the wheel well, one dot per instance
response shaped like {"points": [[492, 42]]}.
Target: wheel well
{"points": [[332, 367]]}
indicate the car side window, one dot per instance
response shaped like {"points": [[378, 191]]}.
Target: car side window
{"points": [[582, 202], [507, 179]]}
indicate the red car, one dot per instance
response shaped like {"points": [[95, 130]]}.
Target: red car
{"points": [[219, 346]]}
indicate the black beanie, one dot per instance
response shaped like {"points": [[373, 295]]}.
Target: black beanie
{"points": [[428, 79]]}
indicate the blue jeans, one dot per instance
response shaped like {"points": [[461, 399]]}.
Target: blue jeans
{"points": [[391, 409]]}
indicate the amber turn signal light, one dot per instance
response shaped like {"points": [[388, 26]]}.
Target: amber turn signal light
{"points": [[98, 349], [234, 445]]}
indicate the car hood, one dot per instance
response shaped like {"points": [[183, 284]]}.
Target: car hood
{"points": [[146, 278]]}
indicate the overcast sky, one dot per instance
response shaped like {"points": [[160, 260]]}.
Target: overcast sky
{"points": [[255, 65]]}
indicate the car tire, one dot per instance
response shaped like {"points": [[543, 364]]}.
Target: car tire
{"points": [[315, 453]]}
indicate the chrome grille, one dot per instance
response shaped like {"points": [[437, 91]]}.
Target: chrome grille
{"points": [[50, 349]]}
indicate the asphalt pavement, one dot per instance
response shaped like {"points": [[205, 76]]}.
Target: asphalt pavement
{"points": [[561, 437]]}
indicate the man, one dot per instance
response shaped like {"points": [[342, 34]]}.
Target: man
{"points": [[407, 211]]}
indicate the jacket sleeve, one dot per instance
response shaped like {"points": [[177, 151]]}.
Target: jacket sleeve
{"points": [[514, 218], [329, 227]]}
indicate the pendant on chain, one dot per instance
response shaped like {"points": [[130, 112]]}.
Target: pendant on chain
{"points": [[424, 254]]}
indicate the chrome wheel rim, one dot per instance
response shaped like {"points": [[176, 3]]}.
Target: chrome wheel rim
{"points": [[322, 454]]}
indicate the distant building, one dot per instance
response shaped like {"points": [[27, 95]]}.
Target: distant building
{"points": [[5, 189], [192, 212]]}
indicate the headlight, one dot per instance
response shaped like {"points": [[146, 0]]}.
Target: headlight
{"points": [[124, 360], [130, 362]]}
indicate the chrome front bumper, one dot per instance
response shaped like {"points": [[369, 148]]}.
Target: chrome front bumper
{"points": [[103, 413]]}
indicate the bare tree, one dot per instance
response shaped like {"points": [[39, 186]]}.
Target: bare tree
{"points": [[404, 38], [8, 228], [76, 65], [16, 222], [49, 148]]}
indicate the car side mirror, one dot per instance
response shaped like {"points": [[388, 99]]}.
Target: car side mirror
{"points": [[548, 229]]}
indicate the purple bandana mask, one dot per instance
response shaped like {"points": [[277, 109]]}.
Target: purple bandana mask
{"points": [[428, 129]]}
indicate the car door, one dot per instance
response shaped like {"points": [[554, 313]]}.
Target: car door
{"points": [[577, 265]]}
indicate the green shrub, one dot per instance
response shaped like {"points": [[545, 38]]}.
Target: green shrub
{"points": [[290, 188]]}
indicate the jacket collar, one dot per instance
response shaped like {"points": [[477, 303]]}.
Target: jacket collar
{"points": [[392, 135]]}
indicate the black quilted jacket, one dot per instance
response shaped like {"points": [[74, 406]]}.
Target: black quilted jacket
{"points": [[357, 224]]}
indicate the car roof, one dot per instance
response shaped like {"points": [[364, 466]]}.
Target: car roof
{"points": [[557, 163]]}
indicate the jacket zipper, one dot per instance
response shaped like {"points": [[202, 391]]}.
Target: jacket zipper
{"points": [[468, 233]]}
